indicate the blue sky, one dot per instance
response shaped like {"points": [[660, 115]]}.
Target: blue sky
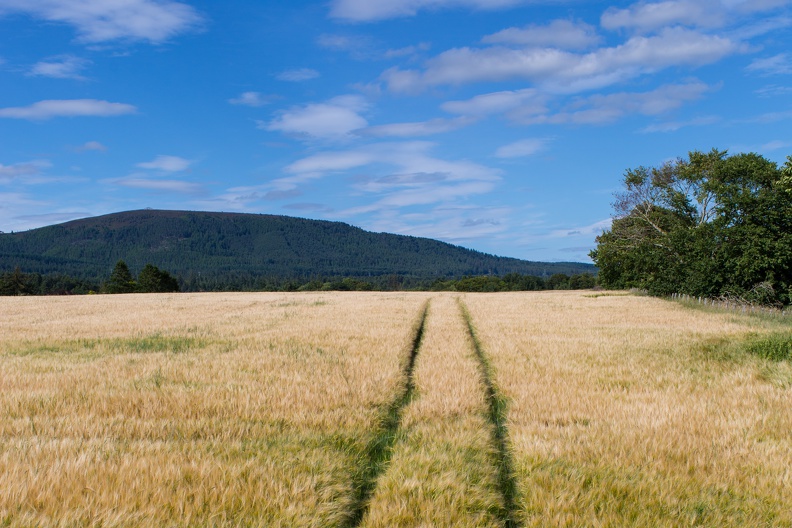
{"points": [[500, 125]]}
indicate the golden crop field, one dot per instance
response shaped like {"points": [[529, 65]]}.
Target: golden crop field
{"points": [[390, 409]]}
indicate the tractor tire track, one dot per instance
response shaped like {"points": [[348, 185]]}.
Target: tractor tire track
{"points": [[379, 450], [497, 409]]}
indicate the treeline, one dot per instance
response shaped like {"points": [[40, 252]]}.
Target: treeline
{"points": [[711, 225], [151, 279]]}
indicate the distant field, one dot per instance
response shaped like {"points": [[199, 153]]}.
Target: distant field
{"points": [[390, 409]]}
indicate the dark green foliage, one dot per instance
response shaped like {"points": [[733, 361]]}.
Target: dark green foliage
{"points": [[153, 280], [121, 280], [18, 283], [516, 282], [227, 252], [15, 283], [712, 225]]}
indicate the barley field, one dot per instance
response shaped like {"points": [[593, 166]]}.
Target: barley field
{"points": [[391, 409]]}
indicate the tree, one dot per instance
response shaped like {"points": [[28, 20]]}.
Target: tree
{"points": [[15, 283], [121, 280], [710, 225], [153, 280]]}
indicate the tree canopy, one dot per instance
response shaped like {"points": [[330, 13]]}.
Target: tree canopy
{"points": [[710, 225]]}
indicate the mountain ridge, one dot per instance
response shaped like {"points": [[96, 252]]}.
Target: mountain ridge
{"points": [[219, 245]]}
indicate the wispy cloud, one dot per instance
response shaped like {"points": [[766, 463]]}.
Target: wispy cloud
{"points": [[176, 186], [563, 34], [335, 119], [60, 67], [91, 146], [522, 148], [780, 64], [43, 110], [563, 71], [673, 126], [166, 164], [416, 129], [499, 102], [97, 21], [373, 10], [299, 75], [254, 99], [599, 109], [17, 170]]}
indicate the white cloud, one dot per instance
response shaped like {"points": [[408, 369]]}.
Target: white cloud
{"points": [[780, 64], [372, 10], [60, 67], [654, 15], [177, 186], [416, 129], [91, 146], [498, 102], [407, 50], [166, 164], [107, 20], [67, 108], [563, 34], [599, 109], [302, 74], [649, 16], [522, 148], [774, 90], [673, 126], [563, 71], [589, 230], [333, 120], [30, 168], [254, 99]]}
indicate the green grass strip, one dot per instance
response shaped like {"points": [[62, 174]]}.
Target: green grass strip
{"points": [[379, 450], [497, 410]]}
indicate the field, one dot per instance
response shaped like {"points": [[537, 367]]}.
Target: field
{"points": [[391, 409]]}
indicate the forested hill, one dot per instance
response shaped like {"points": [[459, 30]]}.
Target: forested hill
{"points": [[201, 246]]}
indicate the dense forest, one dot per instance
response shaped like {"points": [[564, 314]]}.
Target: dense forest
{"points": [[153, 280], [711, 225], [231, 251]]}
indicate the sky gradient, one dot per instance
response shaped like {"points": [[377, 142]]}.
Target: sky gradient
{"points": [[499, 125]]}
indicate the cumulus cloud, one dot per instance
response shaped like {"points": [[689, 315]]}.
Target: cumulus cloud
{"points": [[373, 10], [254, 99], [522, 148], [416, 129], [67, 108], [333, 120], [563, 34], [97, 21], [299, 75], [166, 164], [564, 71], [60, 67]]}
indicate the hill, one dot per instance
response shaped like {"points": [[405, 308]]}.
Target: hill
{"points": [[203, 248]]}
